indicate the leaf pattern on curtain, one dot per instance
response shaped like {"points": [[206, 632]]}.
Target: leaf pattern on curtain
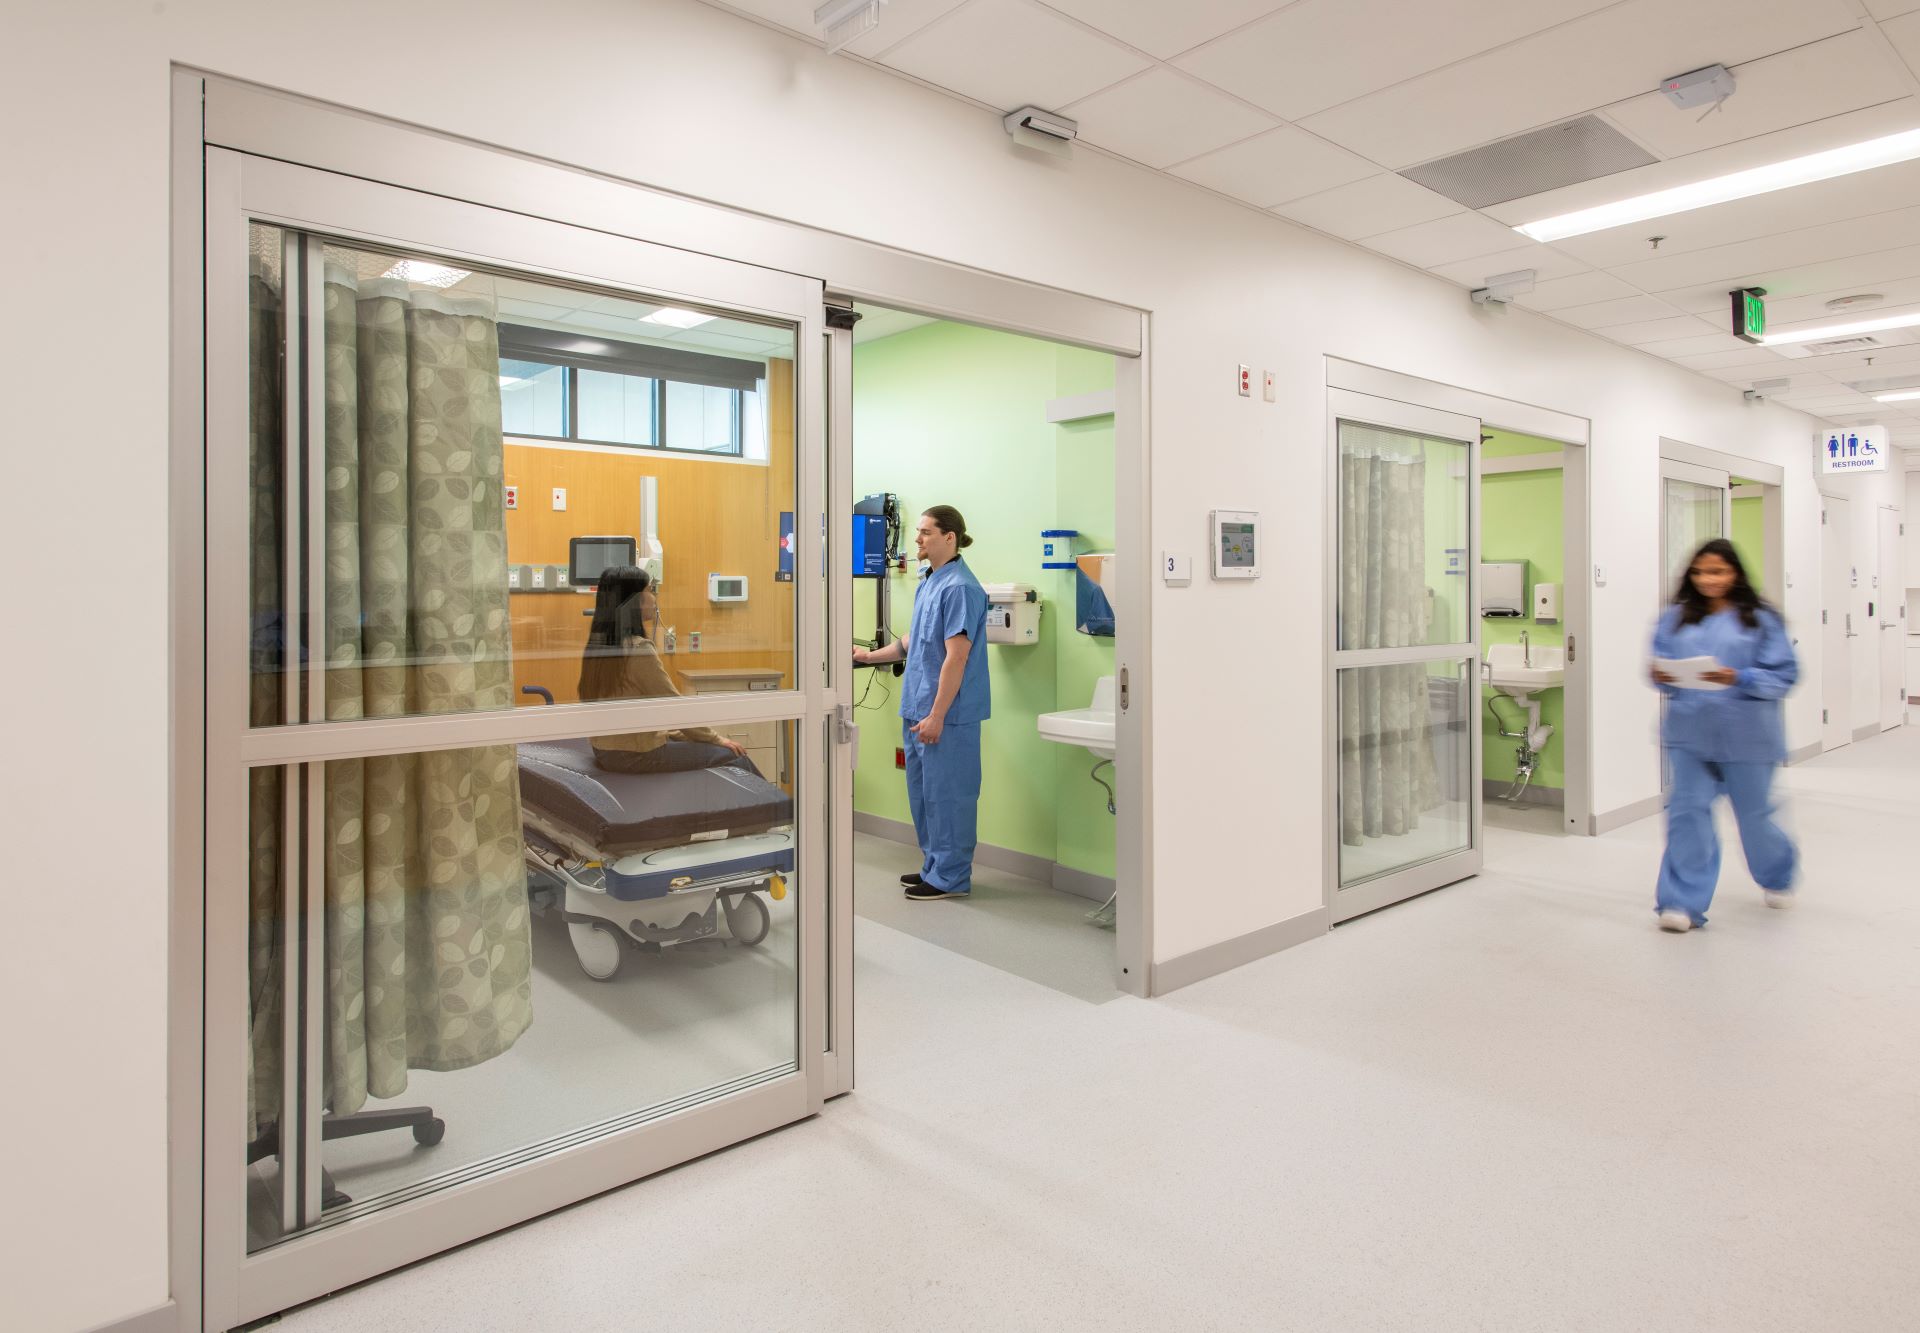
{"points": [[429, 948], [1387, 773]]}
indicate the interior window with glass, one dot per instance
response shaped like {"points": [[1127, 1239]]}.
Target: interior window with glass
{"points": [[490, 445]]}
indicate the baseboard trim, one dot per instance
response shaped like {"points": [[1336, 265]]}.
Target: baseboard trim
{"points": [[1867, 732], [160, 1319], [1229, 954], [1080, 883], [1806, 752], [1627, 814], [1496, 788]]}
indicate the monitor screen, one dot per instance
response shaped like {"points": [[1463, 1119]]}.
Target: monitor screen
{"points": [[589, 557]]}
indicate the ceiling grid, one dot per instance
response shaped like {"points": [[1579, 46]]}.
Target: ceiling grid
{"points": [[1319, 110]]}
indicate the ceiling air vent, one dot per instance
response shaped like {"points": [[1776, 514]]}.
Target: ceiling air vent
{"points": [[1836, 346], [1532, 163]]}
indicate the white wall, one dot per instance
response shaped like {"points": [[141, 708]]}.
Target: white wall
{"points": [[682, 96]]}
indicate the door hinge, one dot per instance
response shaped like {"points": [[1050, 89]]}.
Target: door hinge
{"points": [[1823, 717], [1573, 649], [1823, 617], [843, 723]]}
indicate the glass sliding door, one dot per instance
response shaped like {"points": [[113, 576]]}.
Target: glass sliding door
{"points": [[1695, 507], [1403, 684], [517, 832]]}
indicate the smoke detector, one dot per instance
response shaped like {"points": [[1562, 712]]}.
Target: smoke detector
{"points": [[1860, 302]]}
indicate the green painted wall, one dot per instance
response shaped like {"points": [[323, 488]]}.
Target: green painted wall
{"points": [[950, 414], [1750, 539], [1521, 519]]}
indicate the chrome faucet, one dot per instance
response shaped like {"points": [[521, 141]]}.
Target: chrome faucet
{"points": [[1526, 650]]}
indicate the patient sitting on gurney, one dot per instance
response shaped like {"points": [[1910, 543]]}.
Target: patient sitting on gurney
{"points": [[621, 663]]}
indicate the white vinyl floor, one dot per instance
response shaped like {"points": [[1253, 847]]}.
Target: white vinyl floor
{"points": [[1509, 1105]]}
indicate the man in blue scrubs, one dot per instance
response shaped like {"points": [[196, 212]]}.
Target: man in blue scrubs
{"points": [[944, 698]]}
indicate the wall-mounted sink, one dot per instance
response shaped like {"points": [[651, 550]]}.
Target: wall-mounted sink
{"points": [[1091, 728], [1513, 670]]}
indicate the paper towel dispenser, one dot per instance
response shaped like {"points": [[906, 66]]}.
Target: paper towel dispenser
{"points": [[1013, 613], [1503, 588]]}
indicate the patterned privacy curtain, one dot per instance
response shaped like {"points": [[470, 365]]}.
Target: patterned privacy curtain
{"points": [[428, 944], [1387, 774]]}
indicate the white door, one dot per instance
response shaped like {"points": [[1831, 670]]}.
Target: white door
{"points": [[1836, 624], [1403, 686], [475, 949], [1890, 621]]}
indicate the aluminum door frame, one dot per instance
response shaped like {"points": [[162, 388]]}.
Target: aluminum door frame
{"points": [[1410, 881], [1836, 629], [1890, 614], [238, 189]]}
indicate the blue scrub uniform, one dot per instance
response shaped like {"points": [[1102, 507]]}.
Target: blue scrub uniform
{"points": [[943, 779], [1730, 741]]}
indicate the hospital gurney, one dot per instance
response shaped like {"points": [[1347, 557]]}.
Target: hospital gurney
{"points": [[650, 859]]}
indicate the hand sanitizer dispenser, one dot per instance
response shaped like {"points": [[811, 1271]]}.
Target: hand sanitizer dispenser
{"points": [[1546, 603]]}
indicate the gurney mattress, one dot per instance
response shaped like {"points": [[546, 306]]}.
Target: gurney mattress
{"points": [[620, 813]]}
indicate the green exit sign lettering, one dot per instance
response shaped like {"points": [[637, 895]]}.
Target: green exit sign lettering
{"points": [[1749, 314]]}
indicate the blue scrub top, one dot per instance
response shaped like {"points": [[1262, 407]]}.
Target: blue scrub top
{"points": [[950, 602], [1742, 723]]}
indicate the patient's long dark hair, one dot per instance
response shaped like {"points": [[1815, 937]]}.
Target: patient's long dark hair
{"points": [[617, 621], [1693, 606]]}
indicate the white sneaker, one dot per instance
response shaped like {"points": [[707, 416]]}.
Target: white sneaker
{"points": [[1781, 898], [1675, 920]]}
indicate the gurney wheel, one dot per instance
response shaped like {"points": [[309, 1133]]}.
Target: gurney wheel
{"points": [[429, 1132], [748, 919], [599, 949]]}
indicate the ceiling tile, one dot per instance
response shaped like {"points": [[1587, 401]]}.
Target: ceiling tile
{"points": [[1547, 264], [1369, 207], [899, 19], [1834, 132], [1164, 29], [1813, 82], [1625, 310], [1809, 245], [1696, 346], [1270, 168], [1904, 33], [1463, 236], [1837, 277], [1657, 330], [1859, 195], [1594, 61], [1582, 289], [1008, 53], [1886, 9], [1753, 359], [1320, 53], [1164, 117]]}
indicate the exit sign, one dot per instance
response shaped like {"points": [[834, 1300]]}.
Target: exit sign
{"points": [[1749, 314]]}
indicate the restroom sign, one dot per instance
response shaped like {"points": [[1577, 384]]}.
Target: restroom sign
{"points": [[1855, 449]]}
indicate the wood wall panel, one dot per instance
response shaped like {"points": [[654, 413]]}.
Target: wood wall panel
{"points": [[715, 517]]}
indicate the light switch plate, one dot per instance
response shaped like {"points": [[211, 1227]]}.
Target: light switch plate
{"points": [[1267, 383], [559, 499]]}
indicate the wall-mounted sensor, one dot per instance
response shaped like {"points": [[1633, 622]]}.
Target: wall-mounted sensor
{"points": [[1503, 287], [1546, 603], [1699, 87], [1049, 133]]}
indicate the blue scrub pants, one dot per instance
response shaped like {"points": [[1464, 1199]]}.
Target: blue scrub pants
{"points": [[1691, 868], [943, 791]]}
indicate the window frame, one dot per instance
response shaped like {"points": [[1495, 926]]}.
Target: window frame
{"points": [[570, 399]]}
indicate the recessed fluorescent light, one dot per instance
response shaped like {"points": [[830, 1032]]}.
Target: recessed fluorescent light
{"points": [[1902, 147], [1904, 396], [1853, 329], [428, 275], [675, 318]]}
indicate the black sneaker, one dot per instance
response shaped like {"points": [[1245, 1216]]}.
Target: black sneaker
{"points": [[926, 893], [911, 881]]}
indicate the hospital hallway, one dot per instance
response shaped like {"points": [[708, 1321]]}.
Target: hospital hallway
{"points": [[1510, 1104]]}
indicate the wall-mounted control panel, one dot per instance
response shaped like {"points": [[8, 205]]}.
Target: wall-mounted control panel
{"points": [[1236, 544]]}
